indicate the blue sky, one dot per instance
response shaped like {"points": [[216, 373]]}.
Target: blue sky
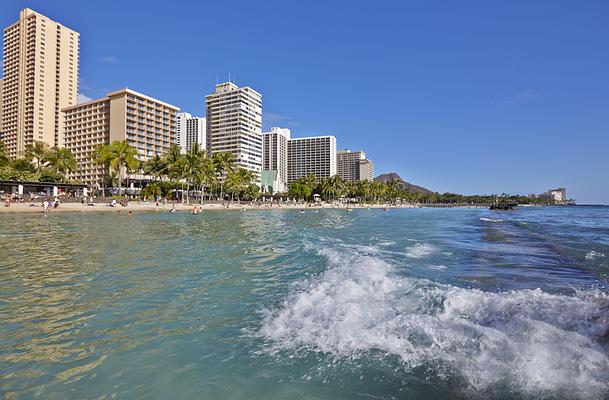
{"points": [[461, 96]]}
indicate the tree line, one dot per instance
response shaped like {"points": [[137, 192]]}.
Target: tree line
{"points": [[334, 188], [217, 176], [40, 163], [195, 171]]}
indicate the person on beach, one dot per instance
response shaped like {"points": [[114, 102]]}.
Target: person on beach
{"points": [[45, 205], [113, 204]]}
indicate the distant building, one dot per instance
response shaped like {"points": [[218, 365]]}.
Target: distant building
{"points": [[366, 170], [559, 195], [311, 155], [234, 124], [40, 63], [275, 157], [353, 166], [190, 130], [146, 123]]}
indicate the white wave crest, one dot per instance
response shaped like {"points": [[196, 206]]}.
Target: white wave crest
{"points": [[419, 250], [592, 255], [490, 219], [539, 343]]}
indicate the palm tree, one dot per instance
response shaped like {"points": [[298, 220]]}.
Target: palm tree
{"points": [[224, 166], [156, 167], [238, 181], [37, 150], [176, 165], [193, 162], [336, 186], [119, 156], [206, 174], [61, 160]]}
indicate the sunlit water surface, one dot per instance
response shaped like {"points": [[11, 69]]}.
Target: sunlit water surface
{"points": [[412, 304]]}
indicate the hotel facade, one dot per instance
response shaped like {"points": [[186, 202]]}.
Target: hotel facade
{"points": [[275, 155], [234, 124], [40, 64], [190, 130], [311, 155], [145, 123], [353, 166]]}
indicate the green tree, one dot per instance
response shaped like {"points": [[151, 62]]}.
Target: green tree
{"points": [[193, 164], [61, 159], [237, 182], [176, 165], [151, 191], [206, 175], [224, 164], [119, 156], [38, 151], [156, 167]]}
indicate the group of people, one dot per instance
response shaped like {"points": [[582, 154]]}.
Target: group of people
{"points": [[50, 204]]}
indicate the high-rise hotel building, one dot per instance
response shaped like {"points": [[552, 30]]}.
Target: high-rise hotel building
{"points": [[311, 155], [190, 130], [353, 166], [146, 123], [275, 154], [234, 124], [40, 64]]}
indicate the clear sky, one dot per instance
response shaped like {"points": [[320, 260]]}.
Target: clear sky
{"points": [[460, 96]]}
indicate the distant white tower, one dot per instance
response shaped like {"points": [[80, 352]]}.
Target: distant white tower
{"points": [[191, 130]]}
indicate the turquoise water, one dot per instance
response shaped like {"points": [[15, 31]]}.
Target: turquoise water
{"points": [[403, 304]]}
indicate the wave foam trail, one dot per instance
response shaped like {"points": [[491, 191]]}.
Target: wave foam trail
{"points": [[419, 250], [532, 341]]}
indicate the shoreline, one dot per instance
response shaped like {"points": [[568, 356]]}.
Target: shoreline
{"points": [[26, 208]]}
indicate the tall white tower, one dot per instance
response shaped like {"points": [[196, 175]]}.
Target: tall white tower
{"points": [[234, 124]]}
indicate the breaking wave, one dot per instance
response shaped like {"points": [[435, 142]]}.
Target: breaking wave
{"points": [[533, 342]]}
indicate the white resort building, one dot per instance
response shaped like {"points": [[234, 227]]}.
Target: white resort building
{"points": [[234, 124], [190, 130]]}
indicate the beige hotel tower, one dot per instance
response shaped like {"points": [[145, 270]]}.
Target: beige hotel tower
{"points": [[144, 122], [40, 63]]}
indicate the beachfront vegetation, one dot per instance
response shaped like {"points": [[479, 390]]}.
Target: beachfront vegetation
{"points": [[119, 157], [196, 172], [177, 174], [39, 164], [334, 188]]}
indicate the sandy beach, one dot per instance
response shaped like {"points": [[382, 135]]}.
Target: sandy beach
{"points": [[135, 206]]}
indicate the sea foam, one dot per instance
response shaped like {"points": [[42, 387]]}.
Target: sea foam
{"points": [[419, 250], [532, 341]]}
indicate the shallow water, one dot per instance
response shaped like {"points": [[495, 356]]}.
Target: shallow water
{"points": [[422, 303]]}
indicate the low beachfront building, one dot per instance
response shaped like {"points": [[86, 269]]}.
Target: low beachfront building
{"points": [[146, 123]]}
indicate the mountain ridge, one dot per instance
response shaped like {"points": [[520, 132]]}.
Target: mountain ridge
{"points": [[402, 184]]}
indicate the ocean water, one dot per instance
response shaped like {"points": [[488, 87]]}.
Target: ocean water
{"points": [[402, 304]]}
